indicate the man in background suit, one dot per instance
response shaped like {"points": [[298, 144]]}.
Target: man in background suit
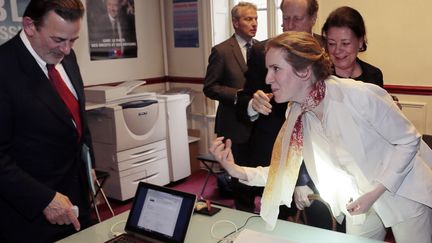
{"points": [[225, 76], [42, 173], [255, 106]]}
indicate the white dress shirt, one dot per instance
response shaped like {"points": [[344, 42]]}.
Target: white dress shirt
{"points": [[42, 64]]}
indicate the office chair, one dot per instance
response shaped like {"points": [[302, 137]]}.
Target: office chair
{"points": [[208, 161], [302, 218]]}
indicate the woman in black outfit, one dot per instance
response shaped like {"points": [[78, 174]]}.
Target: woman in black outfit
{"points": [[345, 35]]}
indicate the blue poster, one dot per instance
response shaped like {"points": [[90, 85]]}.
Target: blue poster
{"points": [[185, 22], [11, 12]]}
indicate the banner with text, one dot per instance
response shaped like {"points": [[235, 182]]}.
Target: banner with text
{"points": [[11, 12]]}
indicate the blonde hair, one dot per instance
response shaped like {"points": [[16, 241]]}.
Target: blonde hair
{"points": [[301, 51]]}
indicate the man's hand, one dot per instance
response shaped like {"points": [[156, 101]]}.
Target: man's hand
{"points": [[301, 194], [261, 102], [59, 211]]}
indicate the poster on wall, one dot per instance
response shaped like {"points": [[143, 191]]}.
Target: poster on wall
{"points": [[111, 29], [185, 22], [11, 12]]}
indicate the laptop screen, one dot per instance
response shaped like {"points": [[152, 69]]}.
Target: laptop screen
{"points": [[160, 213]]}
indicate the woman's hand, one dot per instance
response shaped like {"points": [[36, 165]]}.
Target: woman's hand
{"points": [[222, 153], [365, 201], [261, 102]]}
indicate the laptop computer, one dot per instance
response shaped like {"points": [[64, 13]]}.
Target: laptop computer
{"points": [[158, 214]]}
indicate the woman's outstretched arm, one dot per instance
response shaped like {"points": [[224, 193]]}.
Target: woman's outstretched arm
{"points": [[222, 152]]}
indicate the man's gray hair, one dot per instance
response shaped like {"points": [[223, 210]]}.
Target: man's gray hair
{"points": [[235, 15]]}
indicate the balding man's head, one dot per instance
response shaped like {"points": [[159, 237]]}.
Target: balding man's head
{"points": [[299, 15]]}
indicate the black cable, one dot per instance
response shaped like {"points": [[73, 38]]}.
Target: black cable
{"points": [[232, 232]]}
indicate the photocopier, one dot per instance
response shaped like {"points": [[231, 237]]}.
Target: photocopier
{"points": [[138, 136], [129, 134]]}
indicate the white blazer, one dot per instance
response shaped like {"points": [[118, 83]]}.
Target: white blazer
{"points": [[384, 145]]}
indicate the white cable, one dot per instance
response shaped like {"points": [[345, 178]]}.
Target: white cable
{"points": [[218, 222], [114, 233]]}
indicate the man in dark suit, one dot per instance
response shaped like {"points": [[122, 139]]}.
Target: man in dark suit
{"points": [[225, 76], [42, 173], [256, 106], [114, 35]]}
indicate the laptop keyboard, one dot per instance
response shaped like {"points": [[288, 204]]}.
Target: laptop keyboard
{"points": [[126, 239]]}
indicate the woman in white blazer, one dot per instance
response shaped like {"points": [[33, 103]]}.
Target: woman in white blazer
{"points": [[361, 152]]}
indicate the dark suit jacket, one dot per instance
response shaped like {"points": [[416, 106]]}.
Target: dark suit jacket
{"points": [[265, 128], [39, 152], [225, 75]]}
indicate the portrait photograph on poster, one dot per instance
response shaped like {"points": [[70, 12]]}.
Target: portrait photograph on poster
{"points": [[111, 29]]}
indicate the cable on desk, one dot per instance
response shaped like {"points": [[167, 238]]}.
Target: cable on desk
{"points": [[115, 233], [236, 229], [218, 222]]}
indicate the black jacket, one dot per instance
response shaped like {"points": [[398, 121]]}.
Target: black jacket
{"points": [[39, 152]]}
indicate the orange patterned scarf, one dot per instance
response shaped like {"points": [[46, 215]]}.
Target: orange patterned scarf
{"points": [[287, 157]]}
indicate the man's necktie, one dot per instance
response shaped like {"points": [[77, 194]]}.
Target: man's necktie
{"points": [[66, 95], [115, 29], [248, 51]]}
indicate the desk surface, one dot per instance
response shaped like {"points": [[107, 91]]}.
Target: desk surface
{"points": [[200, 226]]}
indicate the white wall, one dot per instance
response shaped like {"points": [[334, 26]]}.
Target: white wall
{"points": [[150, 60]]}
